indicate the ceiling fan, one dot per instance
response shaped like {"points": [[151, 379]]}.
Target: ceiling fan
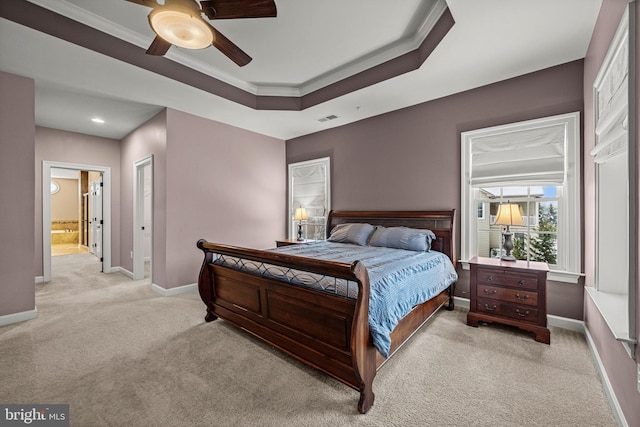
{"points": [[180, 23]]}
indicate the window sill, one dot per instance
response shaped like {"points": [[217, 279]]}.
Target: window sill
{"points": [[564, 276], [553, 275], [612, 307]]}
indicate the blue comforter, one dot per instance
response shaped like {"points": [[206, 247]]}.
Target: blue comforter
{"points": [[399, 280]]}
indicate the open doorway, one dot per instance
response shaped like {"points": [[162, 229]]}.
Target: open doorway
{"points": [[76, 212], [143, 218], [87, 221]]}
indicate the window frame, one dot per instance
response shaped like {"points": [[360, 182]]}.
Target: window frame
{"points": [[323, 161], [611, 103], [569, 209]]}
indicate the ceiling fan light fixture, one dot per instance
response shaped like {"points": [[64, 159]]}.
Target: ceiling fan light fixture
{"points": [[181, 28]]}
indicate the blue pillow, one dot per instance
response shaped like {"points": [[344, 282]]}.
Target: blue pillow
{"points": [[357, 234], [411, 239]]}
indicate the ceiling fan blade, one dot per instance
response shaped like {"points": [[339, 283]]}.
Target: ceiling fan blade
{"points": [[230, 9], [149, 3], [158, 47], [227, 47]]}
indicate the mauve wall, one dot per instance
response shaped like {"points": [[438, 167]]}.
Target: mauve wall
{"points": [[410, 159], [148, 139], [211, 181], [69, 147], [621, 370], [225, 185], [17, 128]]}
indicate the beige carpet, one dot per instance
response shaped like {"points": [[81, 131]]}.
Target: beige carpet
{"points": [[121, 355]]}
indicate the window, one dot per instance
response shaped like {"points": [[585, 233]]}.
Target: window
{"points": [[537, 239], [534, 164], [309, 187], [614, 155]]}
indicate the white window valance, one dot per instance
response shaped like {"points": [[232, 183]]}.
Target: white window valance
{"points": [[533, 156], [611, 99], [309, 187]]}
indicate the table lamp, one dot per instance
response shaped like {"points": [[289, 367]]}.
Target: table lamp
{"points": [[508, 214], [300, 215]]}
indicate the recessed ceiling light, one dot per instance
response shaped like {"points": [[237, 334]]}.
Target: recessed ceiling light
{"points": [[97, 120]]}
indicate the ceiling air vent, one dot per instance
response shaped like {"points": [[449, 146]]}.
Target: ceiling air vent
{"points": [[326, 119]]}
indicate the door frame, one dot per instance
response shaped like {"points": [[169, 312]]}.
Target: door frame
{"points": [[46, 213], [138, 216]]}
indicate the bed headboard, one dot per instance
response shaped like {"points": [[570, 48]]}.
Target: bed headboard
{"points": [[442, 224]]}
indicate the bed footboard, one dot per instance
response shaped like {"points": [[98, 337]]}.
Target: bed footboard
{"points": [[328, 332]]}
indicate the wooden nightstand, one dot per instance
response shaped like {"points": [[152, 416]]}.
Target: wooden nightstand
{"points": [[287, 242], [511, 293]]}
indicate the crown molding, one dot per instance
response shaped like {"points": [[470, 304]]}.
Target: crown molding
{"points": [[365, 62]]}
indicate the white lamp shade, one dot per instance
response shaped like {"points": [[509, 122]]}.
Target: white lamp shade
{"points": [[509, 214], [301, 214], [181, 28]]}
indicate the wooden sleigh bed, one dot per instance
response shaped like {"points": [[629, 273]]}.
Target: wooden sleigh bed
{"points": [[326, 331]]}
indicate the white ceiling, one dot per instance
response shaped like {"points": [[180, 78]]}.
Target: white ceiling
{"points": [[309, 45]]}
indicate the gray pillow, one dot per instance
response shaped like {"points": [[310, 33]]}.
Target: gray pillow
{"points": [[411, 239], [357, 234]]}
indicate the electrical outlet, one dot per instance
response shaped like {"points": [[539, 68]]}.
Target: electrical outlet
{"points": [[638, 377], [131, 254]]}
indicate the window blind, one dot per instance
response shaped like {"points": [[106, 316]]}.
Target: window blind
{"points": [[530, 156], [612, 121], [309, 184]]}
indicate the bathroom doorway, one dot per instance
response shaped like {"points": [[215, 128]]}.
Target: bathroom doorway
{"points": [[76, 212], [84, 219]]}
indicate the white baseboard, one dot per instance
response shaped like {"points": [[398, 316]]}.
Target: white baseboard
{"points": [[461, 302], [186, 289], [121, 270], [8, 319], [608, 389], [39, 279], [565, 323]]}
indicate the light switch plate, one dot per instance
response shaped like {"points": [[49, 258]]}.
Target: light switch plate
{"points": [[638, 377]]}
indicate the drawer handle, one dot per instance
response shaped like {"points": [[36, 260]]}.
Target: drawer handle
{"points": [[525, 314], [493, 307], [524, 298], [521, 282], [490, 279], [488, 292]]}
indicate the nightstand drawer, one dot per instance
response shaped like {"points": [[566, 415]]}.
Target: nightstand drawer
{"points": [[508, 295], [519, 312], [497, 277]]}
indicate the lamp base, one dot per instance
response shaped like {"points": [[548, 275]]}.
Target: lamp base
{"points": [[300, 239], [508, 246]]}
